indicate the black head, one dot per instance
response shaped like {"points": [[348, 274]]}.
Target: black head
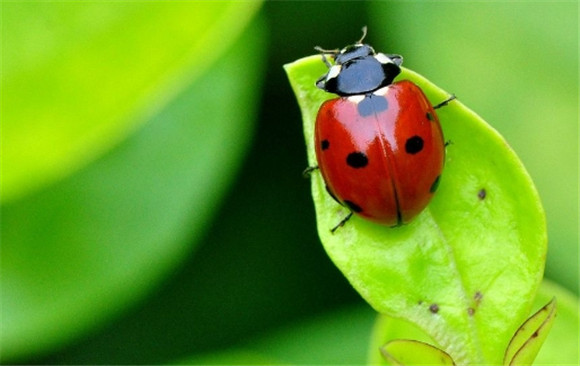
{"points": [[358, 69]]}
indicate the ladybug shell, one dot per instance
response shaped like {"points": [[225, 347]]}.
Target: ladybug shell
{"points": [[381, 154]]}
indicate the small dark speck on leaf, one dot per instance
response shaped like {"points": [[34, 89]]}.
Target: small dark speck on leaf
{"points": [[481, 194], [477, 297], [470, 311], [434, 308], [535, 334]]}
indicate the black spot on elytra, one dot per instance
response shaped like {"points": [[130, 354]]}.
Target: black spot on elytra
{"points": [[357, 160], [372, 104], [435, 184], [414, 144], [481, 194], [352, 206], [434, 308], [324, 144]]}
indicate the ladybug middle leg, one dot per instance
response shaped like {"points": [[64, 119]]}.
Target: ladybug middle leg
{"points": [[306, 174]]}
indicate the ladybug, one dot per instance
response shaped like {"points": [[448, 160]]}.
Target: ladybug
{"points": [[379, 145]]}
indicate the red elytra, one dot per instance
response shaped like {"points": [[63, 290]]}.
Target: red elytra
{"points": [[381, 154]]}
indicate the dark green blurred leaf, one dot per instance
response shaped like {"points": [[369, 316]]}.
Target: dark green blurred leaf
{"points": [[477, 260], [336, 338], [78, 77], [79, 251]]}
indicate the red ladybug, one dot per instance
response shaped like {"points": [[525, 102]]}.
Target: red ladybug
{"points": [[379, 145]]}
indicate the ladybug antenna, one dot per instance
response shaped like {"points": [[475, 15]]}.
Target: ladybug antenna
{"points": [[325, 51], [364, 31]]}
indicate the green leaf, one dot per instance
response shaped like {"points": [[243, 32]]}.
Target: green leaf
{"points": [[530, 337], [80, 251], [407, 352], [79, 77], [464, 271]]}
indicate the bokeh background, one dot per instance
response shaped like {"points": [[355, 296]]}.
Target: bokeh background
{"points": [[153, 209]]}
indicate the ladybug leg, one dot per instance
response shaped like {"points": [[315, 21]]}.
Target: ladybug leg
{"points": [[445, 102], [342, 222], [308, 171]]}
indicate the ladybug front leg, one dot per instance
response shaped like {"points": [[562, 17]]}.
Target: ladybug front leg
{"points": [[308, 171]]}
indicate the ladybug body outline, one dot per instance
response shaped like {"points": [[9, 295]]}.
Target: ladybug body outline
{"points": [[379, 145]]}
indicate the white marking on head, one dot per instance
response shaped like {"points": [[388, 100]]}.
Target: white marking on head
{"points": [[384, 59], [356, 99], [333, 72], [381, 91]]}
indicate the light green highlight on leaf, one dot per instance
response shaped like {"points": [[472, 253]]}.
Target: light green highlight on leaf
{"points": [[79, 77]]}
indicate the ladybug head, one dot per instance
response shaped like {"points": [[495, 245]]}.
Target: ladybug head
{"points": [[358, 69]]}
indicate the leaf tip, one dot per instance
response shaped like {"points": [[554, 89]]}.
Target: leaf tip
{"points": [[528, 339]]}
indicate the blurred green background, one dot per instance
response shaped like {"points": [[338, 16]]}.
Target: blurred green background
{"points": [[152, 203]]}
